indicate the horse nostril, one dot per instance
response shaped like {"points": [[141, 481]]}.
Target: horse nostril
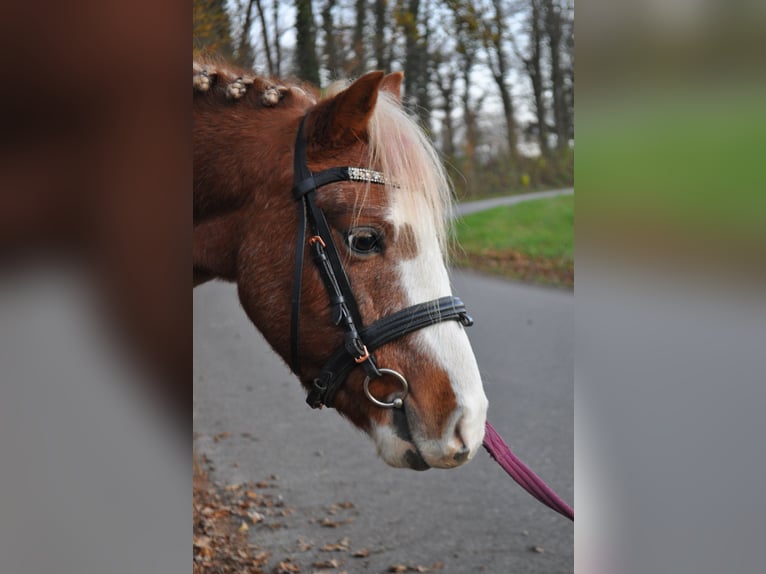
{"points": [[462, 454]]}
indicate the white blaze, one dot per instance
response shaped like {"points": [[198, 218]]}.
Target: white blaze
{"points": [[424, 278]]}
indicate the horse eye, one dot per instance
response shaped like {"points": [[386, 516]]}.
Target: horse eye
{"points": [[364, 240]]}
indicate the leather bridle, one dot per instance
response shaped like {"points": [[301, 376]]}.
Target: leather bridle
{"points": [[360, 342]]}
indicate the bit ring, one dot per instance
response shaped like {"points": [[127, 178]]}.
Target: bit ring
{"points": [[398, 402]]}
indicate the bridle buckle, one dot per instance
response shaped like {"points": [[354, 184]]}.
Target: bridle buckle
{"points": [[317, 239], [364, 357]]}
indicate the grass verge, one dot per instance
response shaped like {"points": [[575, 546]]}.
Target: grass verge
{"points": [[531, 241]]}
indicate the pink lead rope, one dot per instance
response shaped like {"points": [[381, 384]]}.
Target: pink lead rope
{"points": [[522, 474]]}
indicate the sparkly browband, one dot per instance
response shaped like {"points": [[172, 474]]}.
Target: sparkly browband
{"points": [[368, 175]]}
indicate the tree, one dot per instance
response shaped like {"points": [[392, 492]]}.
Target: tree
{"points": [[332, 59], [382, 55], [359, 62], [554, 31], [494, 39], [211, 28], [533, 65], [265, 35], [245, 55], [416, 65], [306, 63], [277, 42]]}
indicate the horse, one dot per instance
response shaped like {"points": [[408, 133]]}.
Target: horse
{"points": [[330, 213]]}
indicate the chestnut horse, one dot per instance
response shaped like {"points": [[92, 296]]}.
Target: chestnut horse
{"points": [[386, 214]]}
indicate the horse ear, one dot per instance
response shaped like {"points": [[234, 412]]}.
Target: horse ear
{"points": [[392, 84], [342, 120]]}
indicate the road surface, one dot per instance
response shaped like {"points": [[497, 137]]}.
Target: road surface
{"points": [[470, 519], [462, 209]]}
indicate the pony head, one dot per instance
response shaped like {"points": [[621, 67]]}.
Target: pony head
{"points": [[391, 239]]}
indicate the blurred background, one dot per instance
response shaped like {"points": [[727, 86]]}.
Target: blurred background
{"points": [[492, 81]]}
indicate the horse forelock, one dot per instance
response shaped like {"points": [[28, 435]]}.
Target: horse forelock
{"points": [[412, 166]]}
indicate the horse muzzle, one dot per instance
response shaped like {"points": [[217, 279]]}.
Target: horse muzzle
{"points": [[402, 442]]}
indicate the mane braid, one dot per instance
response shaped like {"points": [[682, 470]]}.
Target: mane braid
{"points": [[238, 83]]}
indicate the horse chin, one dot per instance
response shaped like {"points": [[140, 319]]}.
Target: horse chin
{"points": [[396, 451]]}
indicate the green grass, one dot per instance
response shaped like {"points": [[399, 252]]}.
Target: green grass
{"points": [[540, 228], [532, 241]]}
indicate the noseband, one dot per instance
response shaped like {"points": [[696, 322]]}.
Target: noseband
{"points": [[359, 341]]}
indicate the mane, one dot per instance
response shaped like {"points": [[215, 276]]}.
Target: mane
{"points": [[404, 153], [241, 84]]}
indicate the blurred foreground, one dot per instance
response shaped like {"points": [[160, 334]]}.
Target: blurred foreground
{"points": [[671, 317], [95, 305]]}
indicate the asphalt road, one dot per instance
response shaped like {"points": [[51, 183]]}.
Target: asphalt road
{"points": [[471, 519], [483, 204]]}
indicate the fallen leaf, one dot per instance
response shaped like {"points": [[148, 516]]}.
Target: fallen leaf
{"points": [[202, 541], [361, 553], [243, 527], [220, 436], [304, 545], [332, 563], [341, 546], [286, 567], [397, 568]]}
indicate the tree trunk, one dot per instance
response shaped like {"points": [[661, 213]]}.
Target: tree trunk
{"points": [[471, 139], [277, 42], [534, 68], [554, 33], [359, 61], [416, 65], [265, 32], [306, 63], [380, 10], [330, 47], [500, 71], [244, 51], [411, 50], [445, 82]]}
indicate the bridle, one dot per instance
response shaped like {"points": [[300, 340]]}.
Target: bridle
{"points": [[359, 342]]}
